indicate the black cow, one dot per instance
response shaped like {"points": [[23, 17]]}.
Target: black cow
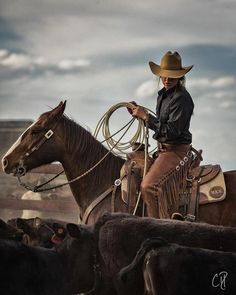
{"points": [[95, 257], [26, 270], [10, 232], [40, 232], [119, 236], [171, 269], [91, 274]]}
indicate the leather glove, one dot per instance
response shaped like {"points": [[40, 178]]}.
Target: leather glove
{"points": [[129, 109]]}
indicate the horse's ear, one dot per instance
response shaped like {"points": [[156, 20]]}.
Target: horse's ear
{"points": [[58, 111], [74, 230]]}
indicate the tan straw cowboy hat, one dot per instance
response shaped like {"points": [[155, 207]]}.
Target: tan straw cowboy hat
{"points": [[171, 66]]}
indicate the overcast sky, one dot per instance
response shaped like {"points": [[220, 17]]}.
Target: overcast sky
{"points": [[95, 53]]}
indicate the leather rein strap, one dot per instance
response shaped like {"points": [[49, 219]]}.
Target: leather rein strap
{"points": [[195, 183], [99, 199]]}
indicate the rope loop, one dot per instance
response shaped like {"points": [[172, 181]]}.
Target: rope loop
{"points": [[104, 126]]}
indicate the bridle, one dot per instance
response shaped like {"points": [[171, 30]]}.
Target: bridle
{"points": [[21, 169]]}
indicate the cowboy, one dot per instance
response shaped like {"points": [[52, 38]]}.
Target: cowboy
{"points": [[171, 124]]}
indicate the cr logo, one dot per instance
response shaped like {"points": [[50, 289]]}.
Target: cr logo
{"points": [[218, 280]]}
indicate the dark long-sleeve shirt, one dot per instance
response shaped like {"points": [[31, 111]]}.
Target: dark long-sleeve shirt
{"points": [[173, 113]]}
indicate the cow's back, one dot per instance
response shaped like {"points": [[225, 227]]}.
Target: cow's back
{"points": [[120, 237]]}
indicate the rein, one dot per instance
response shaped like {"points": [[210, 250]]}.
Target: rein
{"points": [[37, 188]]}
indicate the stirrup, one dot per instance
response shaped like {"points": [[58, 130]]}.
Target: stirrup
{"points": [[177, 216]]}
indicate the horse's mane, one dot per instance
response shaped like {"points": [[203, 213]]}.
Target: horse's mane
{"points": [[81, 143]]}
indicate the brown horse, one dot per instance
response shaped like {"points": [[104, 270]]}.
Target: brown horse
{"points": [[54, 137]]}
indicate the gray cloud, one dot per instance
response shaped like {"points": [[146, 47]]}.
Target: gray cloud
{"points": [[17, 64]]}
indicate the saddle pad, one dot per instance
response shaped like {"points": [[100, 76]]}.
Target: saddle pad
{"points": [[213, 190]]}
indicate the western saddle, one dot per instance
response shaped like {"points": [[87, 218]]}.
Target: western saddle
{"points": [[202, 185]]}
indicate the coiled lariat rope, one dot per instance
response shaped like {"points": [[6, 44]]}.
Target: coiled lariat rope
{"points": [[104, 126]]}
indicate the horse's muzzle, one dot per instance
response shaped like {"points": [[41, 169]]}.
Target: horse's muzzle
{"points": [[6, 167], [4, 163]]}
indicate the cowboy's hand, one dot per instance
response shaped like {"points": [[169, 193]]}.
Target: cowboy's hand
{"points": [[139, 112], [130, 109]]}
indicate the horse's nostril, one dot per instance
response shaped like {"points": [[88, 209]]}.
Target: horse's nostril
{"points": [[4, 162]]}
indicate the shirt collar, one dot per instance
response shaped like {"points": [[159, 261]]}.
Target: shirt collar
{"points": [[167, 92]]}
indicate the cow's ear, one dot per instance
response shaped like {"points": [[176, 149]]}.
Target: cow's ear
{"points": [[22, 224], [37, 221], [59, 230], [74, 230]]}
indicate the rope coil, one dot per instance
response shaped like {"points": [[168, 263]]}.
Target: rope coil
{"points": [[103, 125]]}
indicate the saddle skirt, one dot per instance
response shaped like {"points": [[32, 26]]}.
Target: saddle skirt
{"points": [[212, 184]]}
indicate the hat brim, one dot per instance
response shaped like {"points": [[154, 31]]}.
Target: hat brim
{"points": [[157, 70]]}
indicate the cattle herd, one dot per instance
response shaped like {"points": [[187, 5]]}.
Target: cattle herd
{"points": [[119, 254]]}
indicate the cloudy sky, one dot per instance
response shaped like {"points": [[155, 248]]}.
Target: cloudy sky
{"points": [[95, 53]]}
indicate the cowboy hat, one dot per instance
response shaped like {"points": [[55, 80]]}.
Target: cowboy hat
{"points": [[171, 66]]}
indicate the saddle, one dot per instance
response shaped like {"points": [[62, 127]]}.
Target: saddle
{"points": [[212, 184], [131, 175], [205, 185]]}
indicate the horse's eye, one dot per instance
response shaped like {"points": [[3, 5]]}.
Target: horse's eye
{"points": [[36, 130]]}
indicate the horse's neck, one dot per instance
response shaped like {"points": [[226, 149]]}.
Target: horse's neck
{"points": [[89, 187]]}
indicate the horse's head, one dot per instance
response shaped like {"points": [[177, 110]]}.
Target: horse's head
{"points": [[36, 146]]}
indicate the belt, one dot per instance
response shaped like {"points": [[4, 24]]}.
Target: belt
{"points": [[166, 147]]}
